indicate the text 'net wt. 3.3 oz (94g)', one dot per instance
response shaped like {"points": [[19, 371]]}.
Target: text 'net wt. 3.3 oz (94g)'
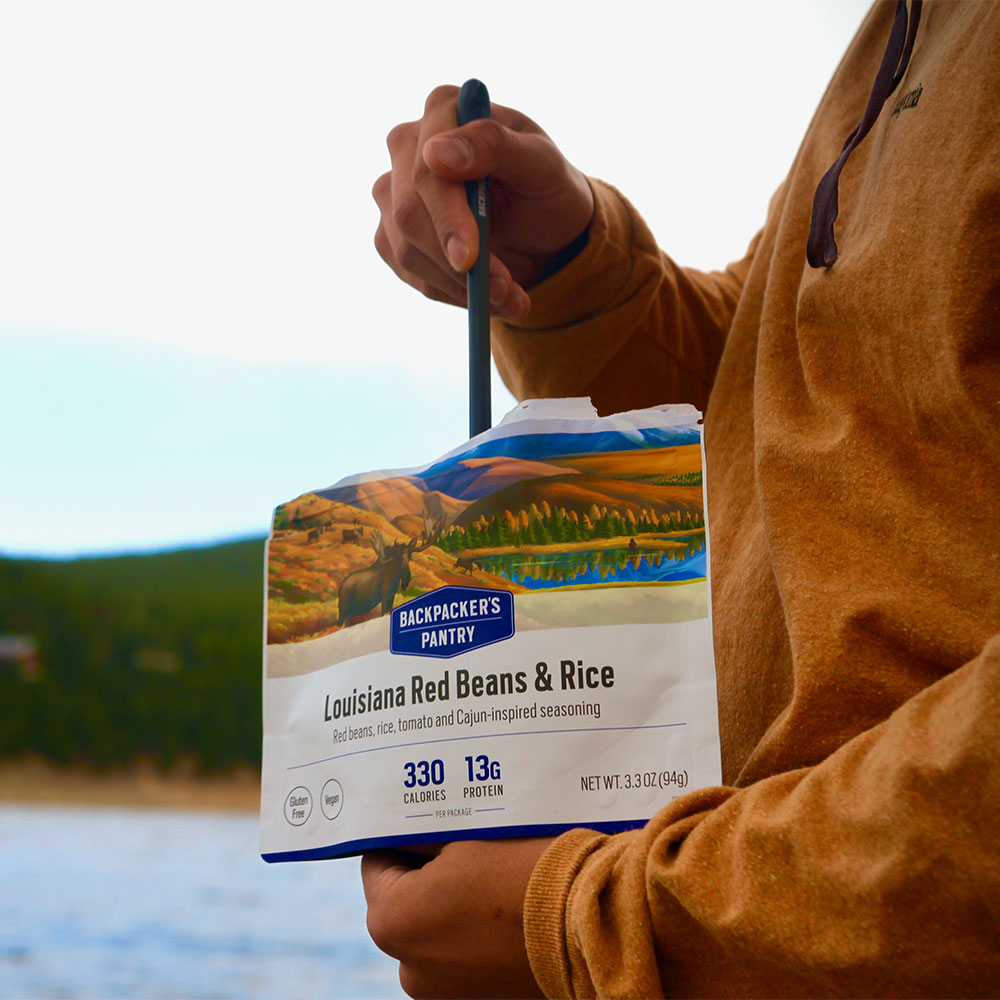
{"points": [[512, 640]]}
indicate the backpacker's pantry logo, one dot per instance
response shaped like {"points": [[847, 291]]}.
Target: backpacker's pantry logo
{"points": [[450, 621]]}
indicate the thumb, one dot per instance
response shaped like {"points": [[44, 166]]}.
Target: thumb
{"points": [[528, 163]]}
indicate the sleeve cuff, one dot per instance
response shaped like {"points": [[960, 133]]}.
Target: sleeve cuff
{"points": [[569, 296], [545, 909]]}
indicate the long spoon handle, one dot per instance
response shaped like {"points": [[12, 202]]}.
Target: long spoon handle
{"points": [[473, 103]]}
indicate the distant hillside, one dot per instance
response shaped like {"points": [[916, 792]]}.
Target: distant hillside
{"points": [[154, 655], [446, 493], [580, 493], [643, 461], [473, 478], [460, 491], [395, 497]]}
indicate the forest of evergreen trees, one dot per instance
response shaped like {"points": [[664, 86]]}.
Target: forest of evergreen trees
{"points": [[545, 525], [144, 656]]}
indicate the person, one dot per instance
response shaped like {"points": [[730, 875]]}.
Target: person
{"points": [[850, 364]]}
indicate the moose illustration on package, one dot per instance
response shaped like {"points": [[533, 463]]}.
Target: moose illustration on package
{"points": [[378, 584]]}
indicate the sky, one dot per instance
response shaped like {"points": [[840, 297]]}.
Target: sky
{"points": [[194, 323]]}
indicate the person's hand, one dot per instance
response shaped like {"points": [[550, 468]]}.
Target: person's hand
{"points": [[427, 233], [455, 921]]}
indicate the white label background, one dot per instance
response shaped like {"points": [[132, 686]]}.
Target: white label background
{"points": [[660, 716]]}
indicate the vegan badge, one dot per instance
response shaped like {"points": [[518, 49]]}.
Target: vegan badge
{"points": [[451, 620]]}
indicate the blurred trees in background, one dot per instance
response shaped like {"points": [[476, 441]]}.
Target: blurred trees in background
{"points": [[154, 657]]}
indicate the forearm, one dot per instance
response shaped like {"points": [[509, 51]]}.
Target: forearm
{"points": [[874, 873], [622, 322]]}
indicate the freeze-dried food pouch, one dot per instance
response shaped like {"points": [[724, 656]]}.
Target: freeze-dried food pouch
{"points": [[512, 640]]}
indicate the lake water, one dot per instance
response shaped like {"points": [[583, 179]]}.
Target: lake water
{"points": [[683, 560], [104, 903]]}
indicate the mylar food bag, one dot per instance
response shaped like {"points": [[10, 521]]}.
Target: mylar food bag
{"points": [[512, 640]]}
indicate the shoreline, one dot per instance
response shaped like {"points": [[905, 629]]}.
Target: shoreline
{"points": [[34, 781], [653, 541]]}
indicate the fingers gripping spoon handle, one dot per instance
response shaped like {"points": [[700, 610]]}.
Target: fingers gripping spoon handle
{"points": [[473, 103]]}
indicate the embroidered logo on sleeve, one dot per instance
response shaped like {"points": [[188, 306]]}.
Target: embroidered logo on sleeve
{"points": [[909, 100]]}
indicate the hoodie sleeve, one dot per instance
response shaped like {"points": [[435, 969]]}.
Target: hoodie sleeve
{"points": [[874, 873], [622, 323]]}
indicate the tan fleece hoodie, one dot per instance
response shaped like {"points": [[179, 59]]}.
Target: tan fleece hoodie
{"points": [[853, 443]]}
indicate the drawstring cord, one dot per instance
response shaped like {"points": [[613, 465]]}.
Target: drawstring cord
{"points": [[821, 248]]}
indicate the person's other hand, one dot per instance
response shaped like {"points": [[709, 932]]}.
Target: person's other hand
{"points": [[427, 233], [455, 922]]}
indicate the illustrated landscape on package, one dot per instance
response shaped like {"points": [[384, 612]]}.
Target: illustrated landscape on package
{"points": [[524, 514]]}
